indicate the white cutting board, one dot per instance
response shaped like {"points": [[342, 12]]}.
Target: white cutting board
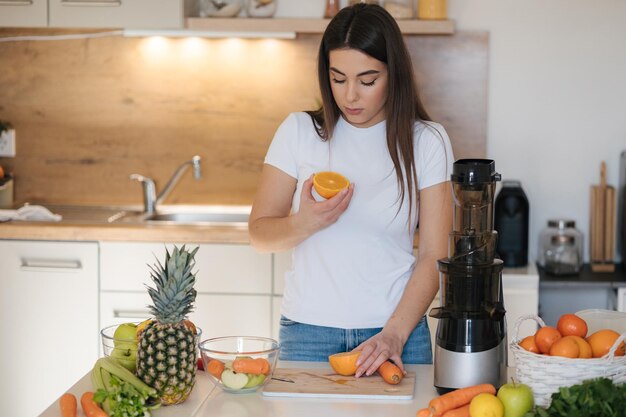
{"points": [[324, 383]]}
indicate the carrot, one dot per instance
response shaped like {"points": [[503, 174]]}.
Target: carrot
{"points": [[458, 398], [390, 373], [424, 412], [90, 407], [458, 412], [251, 366], [215, 367], [68, 405]]}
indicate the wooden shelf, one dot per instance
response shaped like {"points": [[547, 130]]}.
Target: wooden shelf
{"points": [[243, 24]]}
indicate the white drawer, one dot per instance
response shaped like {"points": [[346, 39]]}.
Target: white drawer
{"points": [[221, 268], [216, 315]]}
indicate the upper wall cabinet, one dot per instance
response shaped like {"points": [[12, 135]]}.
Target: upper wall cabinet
{"points": [[132, 14], [23, 13]]}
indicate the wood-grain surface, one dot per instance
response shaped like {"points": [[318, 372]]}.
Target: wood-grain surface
{"points": [[90, 112], [326, 383]]}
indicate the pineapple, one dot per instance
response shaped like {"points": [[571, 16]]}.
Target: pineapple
{"points": [[166, 354]]}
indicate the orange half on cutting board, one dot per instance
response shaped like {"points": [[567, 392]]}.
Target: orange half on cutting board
{"points": [[344, 363], [329, 183]]}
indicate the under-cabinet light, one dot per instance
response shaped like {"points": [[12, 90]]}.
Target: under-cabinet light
{"points": [[207, 34]]}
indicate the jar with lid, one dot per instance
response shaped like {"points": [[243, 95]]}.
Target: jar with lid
{"points": [[400, 9], [432, 9], [353, 2], [561, 248], [261, 8], [222, 8]]}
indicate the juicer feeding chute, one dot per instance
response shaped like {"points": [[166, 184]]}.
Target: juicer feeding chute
{"points": [[470, 346]]}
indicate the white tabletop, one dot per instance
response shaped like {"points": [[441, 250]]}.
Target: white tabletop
{"points": [[206, 400]]}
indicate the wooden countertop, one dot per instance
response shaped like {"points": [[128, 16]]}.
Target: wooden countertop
{"points": [[93, 224], [107, 223], [123, 232]]}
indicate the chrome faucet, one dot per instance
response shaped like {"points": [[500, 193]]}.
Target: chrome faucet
{"points": [[150, 198]]}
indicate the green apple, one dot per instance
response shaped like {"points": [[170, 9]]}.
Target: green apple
{"points": [[126, 354], [124, 333], [516, 398], [234, 380], [254, 380]]}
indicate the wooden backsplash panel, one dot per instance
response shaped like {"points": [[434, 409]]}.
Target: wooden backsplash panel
{"points": [[90, 112]]}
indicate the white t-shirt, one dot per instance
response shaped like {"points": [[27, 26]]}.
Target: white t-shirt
{"points": [[352, 273]]}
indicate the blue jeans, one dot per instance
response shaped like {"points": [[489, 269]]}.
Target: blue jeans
{"points": [[306, 342]]}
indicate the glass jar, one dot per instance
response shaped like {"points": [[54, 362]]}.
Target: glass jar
{"points": [[432, 9], [561, 248], [219, 8], [400, 9], [261, 8], [353, 2]]}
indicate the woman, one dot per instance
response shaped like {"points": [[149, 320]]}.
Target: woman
{"points": [[355, 283]]}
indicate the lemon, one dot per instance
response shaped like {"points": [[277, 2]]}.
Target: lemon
{"points": [[486, 405]]}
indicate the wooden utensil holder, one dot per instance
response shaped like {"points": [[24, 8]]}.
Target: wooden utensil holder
{"points": [[602, 225]]}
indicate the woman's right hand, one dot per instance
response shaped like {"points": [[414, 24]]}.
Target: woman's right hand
{"points": [[316, 215]]}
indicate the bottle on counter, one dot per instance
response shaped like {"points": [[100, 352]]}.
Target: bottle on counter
{"points": [[332, 8], [432, 9], [261, 8], [400, 9], [561, 248]]}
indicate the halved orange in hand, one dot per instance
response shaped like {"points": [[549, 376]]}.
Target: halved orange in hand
{"points": [[329, 183], [344, 363]]}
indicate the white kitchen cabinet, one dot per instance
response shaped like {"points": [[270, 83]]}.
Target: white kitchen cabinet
{"points": [[131, 14], [234, 285], [216, 314], [134, 14], [23, 13], [221, 268], [49, 320]]}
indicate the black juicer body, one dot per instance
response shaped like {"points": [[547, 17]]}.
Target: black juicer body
{"points": [[471, 342]]}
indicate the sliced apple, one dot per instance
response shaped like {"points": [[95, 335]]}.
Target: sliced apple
{"points": [[234, 380], [254, 380]]}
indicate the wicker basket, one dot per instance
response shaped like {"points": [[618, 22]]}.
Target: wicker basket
{"points": [[546, 374]]}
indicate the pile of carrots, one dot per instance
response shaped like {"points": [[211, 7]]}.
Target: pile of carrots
{"points": [[455, 403], [69, 405]]}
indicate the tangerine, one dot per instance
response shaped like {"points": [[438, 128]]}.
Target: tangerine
{"points": [[602, 341], [565, 347], [572, 325], [583, 346], [344, 363], [545, 337], [329, 183], [529, 344]]}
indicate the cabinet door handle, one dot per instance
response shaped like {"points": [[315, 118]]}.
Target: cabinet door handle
{"points": [[131, 314], [83, 3], [45, 265], [16, 2]]}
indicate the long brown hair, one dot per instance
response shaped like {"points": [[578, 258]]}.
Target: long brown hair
{"points": [[371, 29]]}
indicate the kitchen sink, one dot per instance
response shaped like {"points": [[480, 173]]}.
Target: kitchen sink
{"points": [[197, 218], [191, 215]]}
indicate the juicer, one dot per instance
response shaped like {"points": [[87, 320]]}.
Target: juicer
{"points": [[471, 342]]}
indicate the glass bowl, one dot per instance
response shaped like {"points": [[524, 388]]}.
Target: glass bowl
{"points": [[124, 349], [239, 364]]}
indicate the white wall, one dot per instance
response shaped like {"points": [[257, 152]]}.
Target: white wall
{"points": [[557, 95]]}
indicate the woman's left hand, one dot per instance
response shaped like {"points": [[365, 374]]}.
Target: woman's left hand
{"points": [[376, 350]]}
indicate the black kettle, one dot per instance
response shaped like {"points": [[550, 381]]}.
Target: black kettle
{"points": [[511, 221]]}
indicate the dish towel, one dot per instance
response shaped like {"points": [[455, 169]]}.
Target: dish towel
{"points": [[28, 212]]}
